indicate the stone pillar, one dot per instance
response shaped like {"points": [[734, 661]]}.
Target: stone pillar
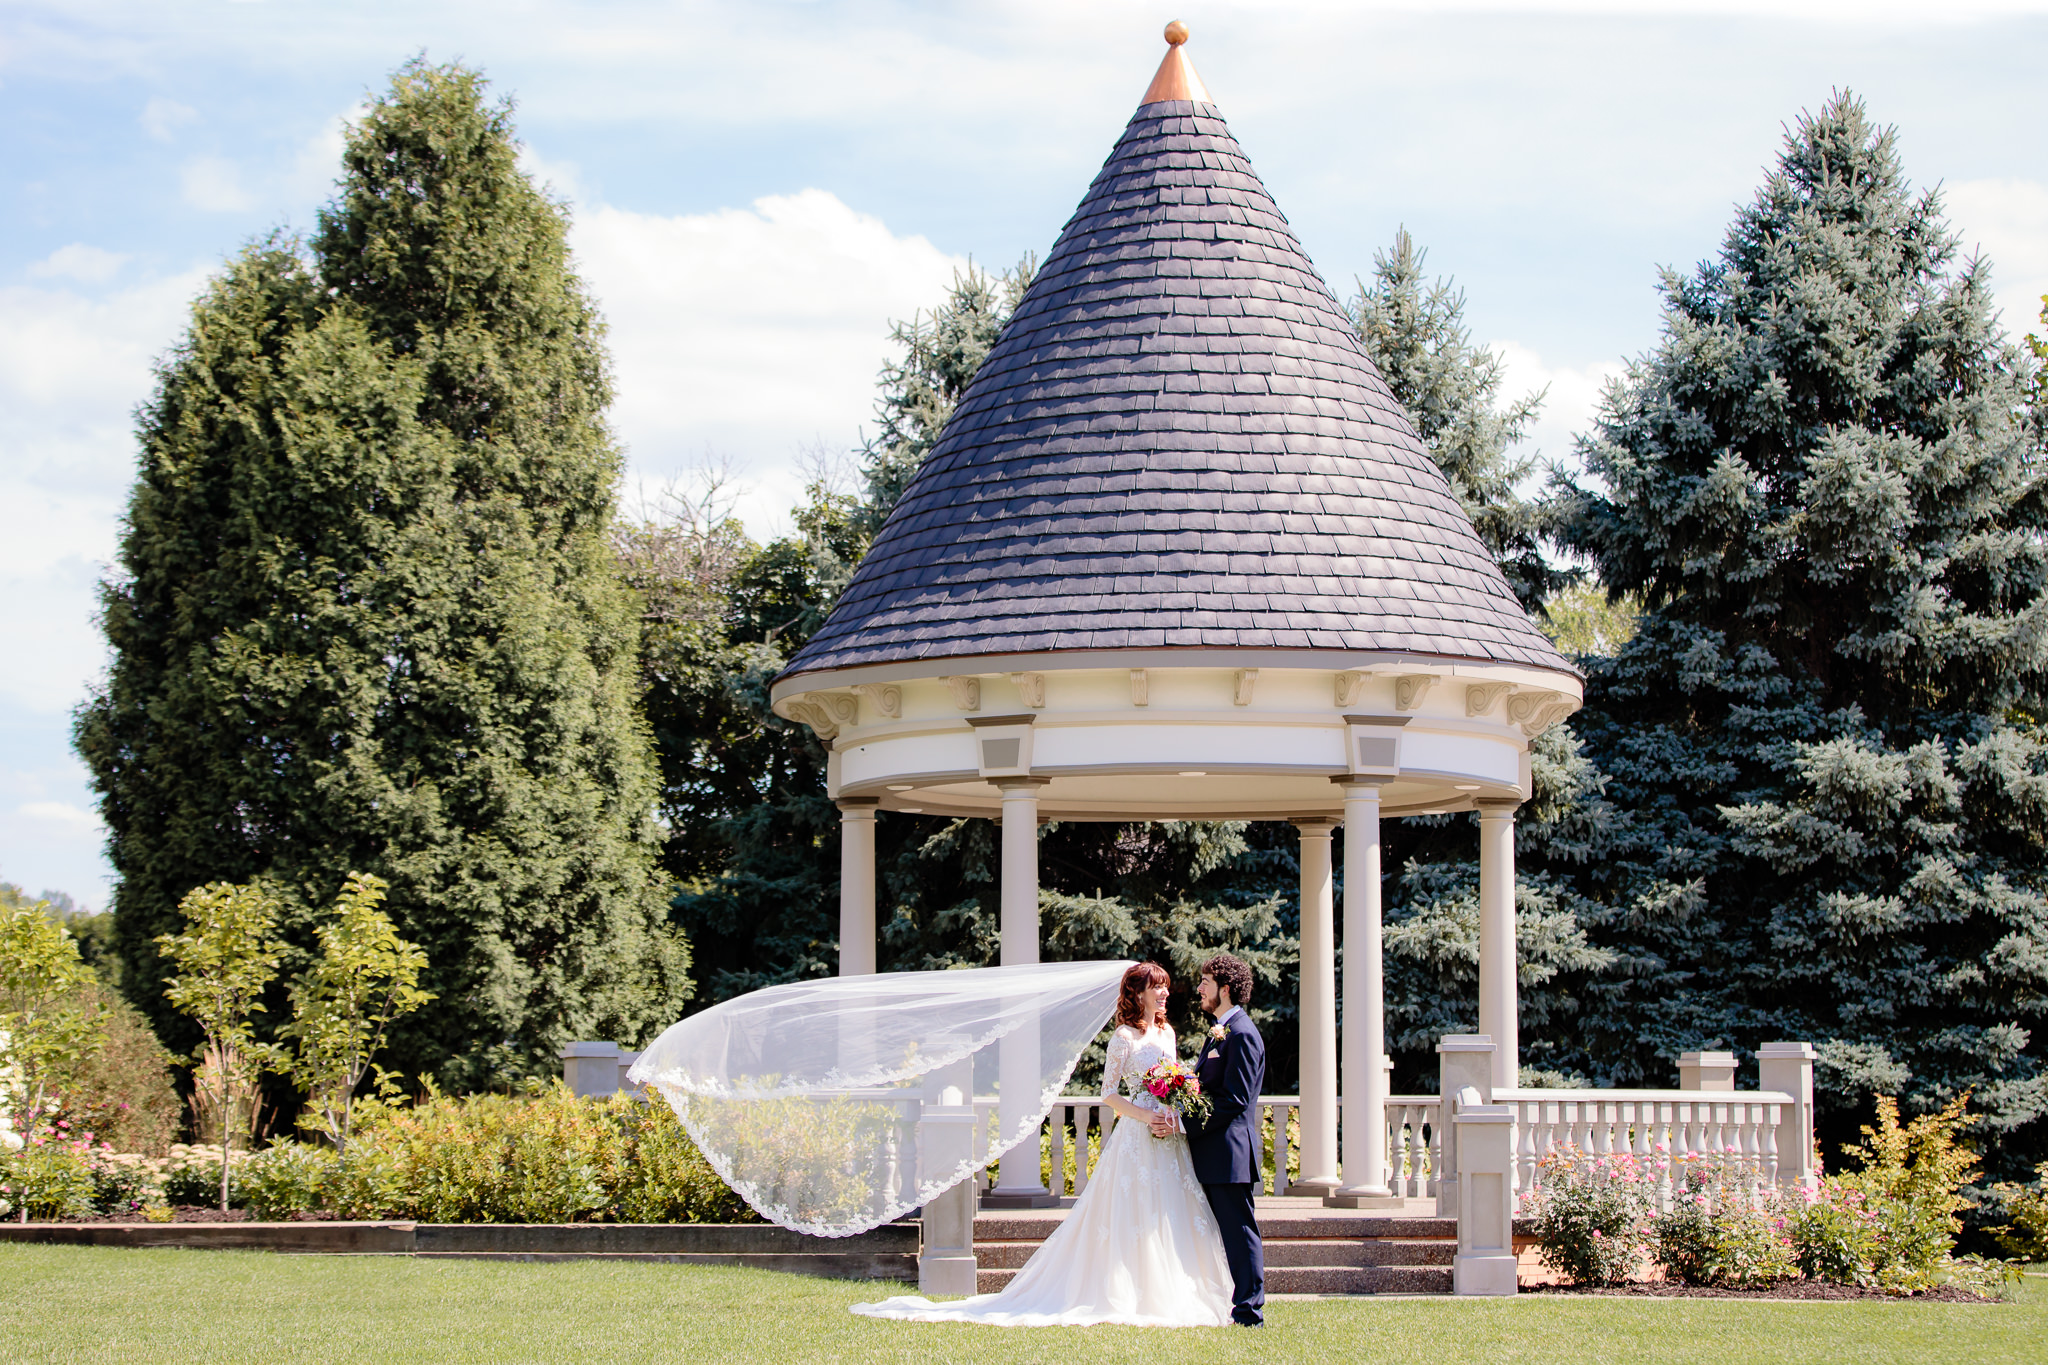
{"points": [[1706, 1071], [1789, 1067], [1365, 1087], [1499, 1008], [857, 885], [592, 1069], [1463, 1060], [1485, 1263], [1318, 1011], [1018, 1060], [945, 1251]]}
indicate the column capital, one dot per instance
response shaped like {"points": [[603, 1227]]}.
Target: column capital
{"points": [[1006, 785], [1498, 807], [1312, 825], [858, 805], [1349, 782]]}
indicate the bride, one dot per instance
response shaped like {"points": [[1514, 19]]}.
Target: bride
{"points": [[1140, 1246]]}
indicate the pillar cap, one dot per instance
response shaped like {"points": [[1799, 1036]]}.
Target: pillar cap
{"points": [[1706, 1059], [1465, 1042], [589, 1049], [1497, 805], [1802, 1051]]}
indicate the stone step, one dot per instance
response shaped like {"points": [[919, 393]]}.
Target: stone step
{"points": [[1026, 1224], [1379, 1251], [1376, 1279], [1011, 1255]]}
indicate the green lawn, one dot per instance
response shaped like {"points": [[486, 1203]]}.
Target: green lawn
{"points": [[79, 1304]]}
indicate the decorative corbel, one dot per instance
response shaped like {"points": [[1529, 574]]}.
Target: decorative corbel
{"points": [[1031, 687], [842, 707], [804, 711], [1480, 697], [1411, 688], [1349, 685], [1241, 693], [886, 698], [1141, 687], [966, 691], [1525, 706]]}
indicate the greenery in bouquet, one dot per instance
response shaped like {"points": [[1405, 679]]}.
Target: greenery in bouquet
{"points": [[1174, 1085]]}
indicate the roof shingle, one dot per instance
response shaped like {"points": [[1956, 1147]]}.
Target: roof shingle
{"points": [[1177, 439]]}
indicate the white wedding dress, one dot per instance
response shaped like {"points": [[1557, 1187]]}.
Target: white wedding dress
{"points": [[1139, 1247]]}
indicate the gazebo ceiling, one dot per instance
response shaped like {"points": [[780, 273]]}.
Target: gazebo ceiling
{"points": [[1177, 442]]}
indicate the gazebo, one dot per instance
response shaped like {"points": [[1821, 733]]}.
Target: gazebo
{"points": [[1181, 555]]}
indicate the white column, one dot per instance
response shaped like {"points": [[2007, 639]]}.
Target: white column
{"points": [[857, 886], [1018, 1065], [1499, 1009], [1318, 1011], [1365, 1086]]}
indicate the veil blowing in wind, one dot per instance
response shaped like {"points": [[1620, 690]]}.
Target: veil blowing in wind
{"points": [[804, 1098]]}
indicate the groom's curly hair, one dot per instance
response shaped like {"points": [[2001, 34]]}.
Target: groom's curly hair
{"points": [[1231, 974]]}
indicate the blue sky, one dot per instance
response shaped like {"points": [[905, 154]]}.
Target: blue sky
{"points": [[760, 187]]}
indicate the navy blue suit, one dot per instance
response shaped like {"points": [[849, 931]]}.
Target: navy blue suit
{"points": [[1225, 1151]]}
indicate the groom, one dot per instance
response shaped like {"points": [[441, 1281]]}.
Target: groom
{"points": [[1225, 1145]]}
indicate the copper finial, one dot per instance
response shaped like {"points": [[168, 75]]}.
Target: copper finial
{"points": [[1176, 78]]}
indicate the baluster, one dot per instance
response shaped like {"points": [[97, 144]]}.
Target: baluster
{"points": [[1436, 1149], [1056, 1154], [1082, 1114], [1283, 1147], [1525, 1145], [1415, 1156], [1666, 1133], [1771, 1117], [1752, 1150], [1639, 1120]]}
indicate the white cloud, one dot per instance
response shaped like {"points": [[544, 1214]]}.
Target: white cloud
{"points": [[751, 331], [161, 118], [2007, 220], [50, 837], [89, 264], [318, 163], [214, 183], [562, 179], [60, 813], [1572, 399]]}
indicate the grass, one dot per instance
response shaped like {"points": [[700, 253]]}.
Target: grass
{"points": [[79, 1304]]}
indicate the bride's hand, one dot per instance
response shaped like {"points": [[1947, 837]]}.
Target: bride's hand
{"points": [[1163, 1125]]}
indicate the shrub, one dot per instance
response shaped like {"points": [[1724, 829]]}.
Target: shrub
{"points": [[191, 1174], [2025, 1232], [51, 1175], [126, 1183], [286, 1178], [1833, 1236], [1718, 1232], [1910, 1178], [123, 1090], [1591, 1215]]}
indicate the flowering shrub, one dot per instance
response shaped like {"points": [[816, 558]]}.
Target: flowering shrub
{"points": [[1718, 1232], [1910, 1177], [1833, 1237], [1591, 1215], [51, 1175], [124, 1183]]}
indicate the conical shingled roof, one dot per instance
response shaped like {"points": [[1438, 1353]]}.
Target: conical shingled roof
{"points": [[1177, 442]]}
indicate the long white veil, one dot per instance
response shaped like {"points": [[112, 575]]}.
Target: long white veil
{"points": [[805, 1098]]}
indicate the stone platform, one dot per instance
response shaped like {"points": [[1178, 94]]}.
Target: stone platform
{"points": [[1310, 1249]]}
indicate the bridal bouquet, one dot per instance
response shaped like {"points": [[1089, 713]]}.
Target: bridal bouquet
{"points": [[1176, 1087]]}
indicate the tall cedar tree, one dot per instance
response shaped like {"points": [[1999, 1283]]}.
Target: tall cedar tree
{"points": [[1826, 733], [756, 841], [366, 616]]}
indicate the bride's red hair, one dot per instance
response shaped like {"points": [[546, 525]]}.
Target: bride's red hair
{"points": [[1135, 980]]}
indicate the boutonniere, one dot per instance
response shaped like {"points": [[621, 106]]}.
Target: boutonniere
{"points": [[1219, 1033]]}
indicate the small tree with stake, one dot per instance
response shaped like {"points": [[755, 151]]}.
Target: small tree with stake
{"points": [[226, 956], [343, 1005], [48, 1025]]}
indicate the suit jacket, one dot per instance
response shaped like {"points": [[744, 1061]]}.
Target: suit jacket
{"points": [[1225, 1146]]}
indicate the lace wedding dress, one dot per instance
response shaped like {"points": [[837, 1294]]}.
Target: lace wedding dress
{"points": [[1139, 1247]]}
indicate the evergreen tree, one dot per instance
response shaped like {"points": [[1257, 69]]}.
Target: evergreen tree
{"points": [[1416, 335], [366, 617], [1825, 733]]}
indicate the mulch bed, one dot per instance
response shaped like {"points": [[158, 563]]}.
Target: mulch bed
{"points": [[1789, 1289]]}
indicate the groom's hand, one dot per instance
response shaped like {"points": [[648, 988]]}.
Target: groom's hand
{"points": [[1163, 1125]]}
